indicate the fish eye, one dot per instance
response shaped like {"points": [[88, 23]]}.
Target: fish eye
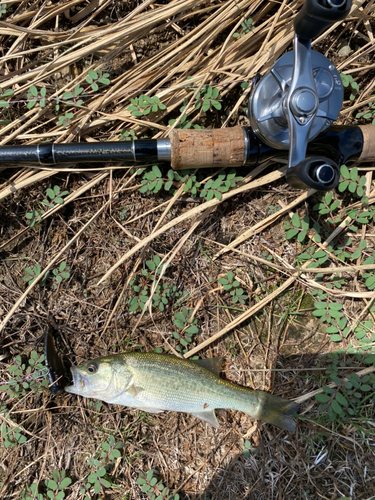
{"points": [[92, 368]]}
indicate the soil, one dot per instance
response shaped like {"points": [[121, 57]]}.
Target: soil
{"points": [[280, 348]]}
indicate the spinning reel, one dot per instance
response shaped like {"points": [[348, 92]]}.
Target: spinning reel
{"points": [[300, 97]]}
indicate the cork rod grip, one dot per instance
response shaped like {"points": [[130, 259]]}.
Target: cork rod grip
{"points": [[223, 147], [368, 150]]}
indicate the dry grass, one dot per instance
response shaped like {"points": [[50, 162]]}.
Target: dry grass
{"points": [[271, 343]]}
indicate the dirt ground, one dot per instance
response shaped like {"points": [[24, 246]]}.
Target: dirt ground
{"points": [[153, 48]]}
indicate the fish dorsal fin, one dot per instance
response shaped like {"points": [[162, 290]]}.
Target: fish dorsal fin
{"points": [[211, 364], [207, 416]]}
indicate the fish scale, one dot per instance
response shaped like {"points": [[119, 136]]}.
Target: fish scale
{"points": [[176, 386], [157, 382]]}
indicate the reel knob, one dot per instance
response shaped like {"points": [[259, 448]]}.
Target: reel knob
{"points": [[314, 172]]}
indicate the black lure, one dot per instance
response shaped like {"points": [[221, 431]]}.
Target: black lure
{"points": [[57, 377]]}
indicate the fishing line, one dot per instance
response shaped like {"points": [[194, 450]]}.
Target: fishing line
{"points": [[39, 374]]}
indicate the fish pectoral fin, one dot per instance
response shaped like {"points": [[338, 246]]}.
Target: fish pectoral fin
{"points": [[207, 416], [211, 364], [134, 390], [150, 410]]}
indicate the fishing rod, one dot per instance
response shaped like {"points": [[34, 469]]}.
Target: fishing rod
{"points": [[290, 109]]}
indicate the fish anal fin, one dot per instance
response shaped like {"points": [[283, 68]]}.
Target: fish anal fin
{"points": [[211, 364], [207, 416]]}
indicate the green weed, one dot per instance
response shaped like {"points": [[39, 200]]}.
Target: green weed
{"points": [[3, 9], [351, 181], [183, 123], [214, 188], [370, 275], [28, 376], [123, 214], [31, 274], [369, 113], [74, 95], [300, 227], [57, 485], [33, 217], [56, 276], [142, 284], [34, 96], [128, 135], [352, 392], [153, 181], [355, 342], [99, 480], [144, 105], [247, 27], [66, 119], [154, 487], [348, 82], [62, 273], [187, 328], [207, 98], [249, 449], [70, 98], [11, 435], [31, 493], [53, 197], [95, 77], [272, 209], [96, 405], [327, 206], [233, 286], [8, 92]]}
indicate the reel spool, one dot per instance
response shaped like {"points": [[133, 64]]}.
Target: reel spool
{"points": [[300, 97]]}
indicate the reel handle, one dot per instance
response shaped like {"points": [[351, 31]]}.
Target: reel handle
{"points": [[316, 15], [301, 109], [314, 172]]}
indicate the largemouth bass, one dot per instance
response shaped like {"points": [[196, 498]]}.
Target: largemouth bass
{"points": [[157, 382]]}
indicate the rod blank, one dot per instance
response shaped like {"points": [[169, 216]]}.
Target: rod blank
{"points": [[50, 154]]}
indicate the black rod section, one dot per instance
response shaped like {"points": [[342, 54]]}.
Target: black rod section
{"points": [[64, 153], [50, 154]]}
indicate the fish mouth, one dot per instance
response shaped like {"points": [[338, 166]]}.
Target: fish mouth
{"points": [[80, 382]]}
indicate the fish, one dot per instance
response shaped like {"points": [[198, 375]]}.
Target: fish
{"points": [[160, 382]]}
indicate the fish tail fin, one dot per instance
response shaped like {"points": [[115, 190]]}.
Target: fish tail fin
{"points": [[277, 411]]}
